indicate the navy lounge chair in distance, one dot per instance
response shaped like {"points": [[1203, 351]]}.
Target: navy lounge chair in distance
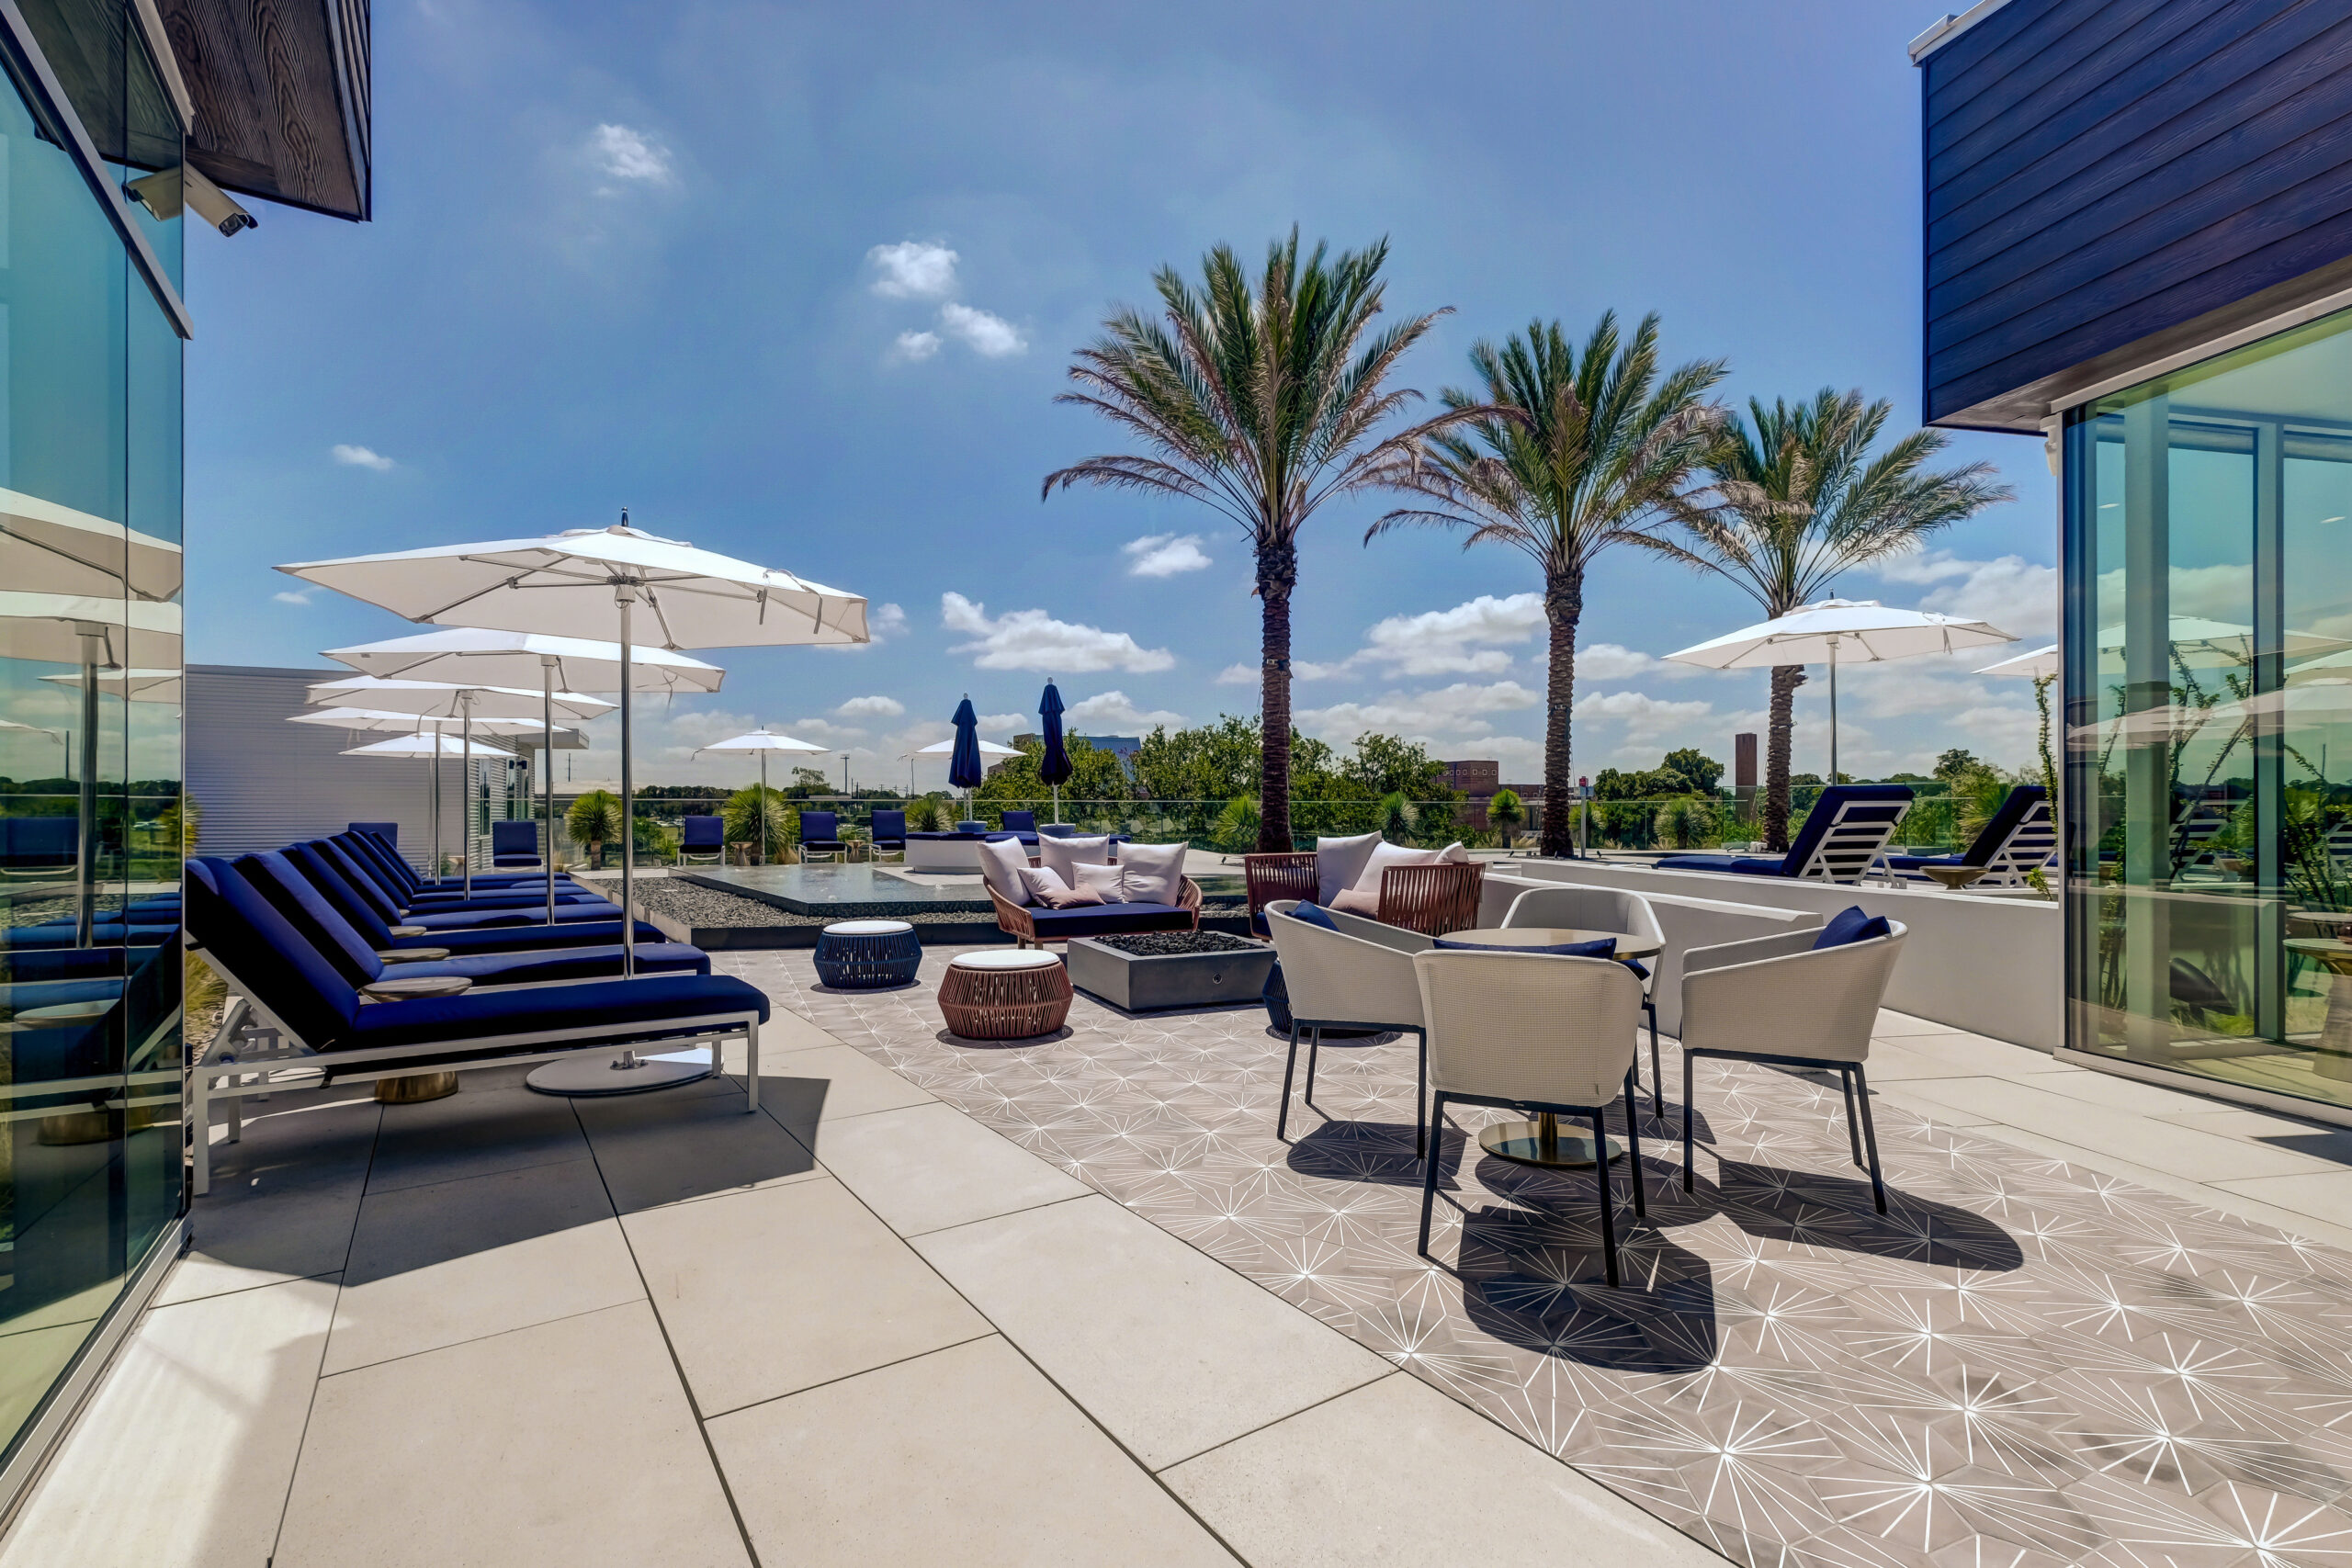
{"points": [[1844, 834], [2019, 838]]}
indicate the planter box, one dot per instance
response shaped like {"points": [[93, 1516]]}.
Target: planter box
{"points": [[1179, 980]]}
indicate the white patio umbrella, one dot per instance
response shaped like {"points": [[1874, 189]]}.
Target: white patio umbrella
{"points": [[425, 745], [590, 581], [1851, 631], [945, 748], [466, 701], [2039, 665], [762, 740], [136, 686], [364, 719], [64, 738], [510, 659]]}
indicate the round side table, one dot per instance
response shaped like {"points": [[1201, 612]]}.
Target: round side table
{"points": [[1006, 994], [2332, 1055], [865, 956], [414, 1088]]}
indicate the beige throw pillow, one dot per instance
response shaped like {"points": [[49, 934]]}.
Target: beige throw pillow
{"points": [[1350, 901], [1155, 872], [1002, 863], [1053, 892], [1383, 856], [1107, 883], [1338, 862], [1064, 856]]}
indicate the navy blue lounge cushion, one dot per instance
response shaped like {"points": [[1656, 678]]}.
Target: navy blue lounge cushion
{"points": [[1314, 913], [560, 964], [1915, 863], [1109, 919], [625, 1004], [1744, 865], [1606, 947], [103, 933], [1850, 925], [531, 939]]}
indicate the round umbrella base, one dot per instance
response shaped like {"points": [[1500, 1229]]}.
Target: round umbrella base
{"points": [[629, 1073]]}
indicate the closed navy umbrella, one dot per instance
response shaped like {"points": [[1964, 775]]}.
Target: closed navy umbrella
{"points": [[1053, 766], [964, 762]]}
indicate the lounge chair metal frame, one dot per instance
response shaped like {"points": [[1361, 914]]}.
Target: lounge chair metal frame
{"points": [[1856, 838], [2030, 844], [252, 1039]]}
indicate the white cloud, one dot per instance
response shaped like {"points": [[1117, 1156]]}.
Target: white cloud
{"points": [[1240, 675], [1164, 555], [824, 731], [293, 597], [1645, 716], [914, 348], [2012, 592], [871, 707], [1467, 639], [1454, 712], [990, 336], [1114, 711], [1614, 661], [623, 153], [360, 457], [912, 269], [1008, 723], [1031, 639]]}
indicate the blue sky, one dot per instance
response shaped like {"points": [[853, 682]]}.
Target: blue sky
{"points": [[692, 259]]}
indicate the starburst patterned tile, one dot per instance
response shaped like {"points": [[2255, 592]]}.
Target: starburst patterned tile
{"points": [[2021, 1364]]}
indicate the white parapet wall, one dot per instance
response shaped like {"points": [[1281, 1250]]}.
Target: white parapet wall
{"points": [[1992, 964]]}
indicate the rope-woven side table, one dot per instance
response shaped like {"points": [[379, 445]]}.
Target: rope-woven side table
{"points": [[1006, 994], [865, 956]]}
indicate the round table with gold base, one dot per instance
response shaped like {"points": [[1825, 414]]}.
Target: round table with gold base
{"points": [[415, 1089], [1544, 1142]]}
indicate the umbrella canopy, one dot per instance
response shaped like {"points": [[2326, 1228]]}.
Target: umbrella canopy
{"points": [[2216, 645], [1851, 631], [519, 659], [136, 632], [1842, 631], [947, 749], [133, 685], [1054, 767], [453, 700], [761, 739], [566, 583], [373, 718], [48, 548], [428, 745], [2041, 663], [964, 755]]}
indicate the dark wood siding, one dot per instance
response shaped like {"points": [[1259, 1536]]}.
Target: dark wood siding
{"points": [[282, 98], [2106, 177]]}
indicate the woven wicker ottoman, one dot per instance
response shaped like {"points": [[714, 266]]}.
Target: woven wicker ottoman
{"points": [[865, 956], [1006, 994]]}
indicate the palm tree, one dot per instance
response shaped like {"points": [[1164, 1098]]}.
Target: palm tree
{"points": [[1257, 401], [1797, 499], [1562, 456]]}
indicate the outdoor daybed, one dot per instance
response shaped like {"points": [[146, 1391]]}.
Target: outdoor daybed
{"points": [[289, 1006], [1027, 911], [1843, 836]]}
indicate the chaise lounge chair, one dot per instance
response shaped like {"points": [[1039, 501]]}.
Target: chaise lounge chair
{"points": [[2021, 838], [1844, 834], [290, 1007]]}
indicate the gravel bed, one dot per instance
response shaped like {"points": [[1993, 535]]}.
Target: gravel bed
{"points": [[1169, 944]]}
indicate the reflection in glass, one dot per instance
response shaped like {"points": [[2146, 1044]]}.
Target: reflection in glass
{"points": [[2209, 696]]}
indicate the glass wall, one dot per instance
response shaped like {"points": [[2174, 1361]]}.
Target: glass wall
{"points": [[2209, 762], [91, 1155]]}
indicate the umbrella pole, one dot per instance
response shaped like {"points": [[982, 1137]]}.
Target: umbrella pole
{"points": [[435, 874], [547, 753], [466, 777], [627, 595], [764, 809], [1833, 711], [85, 847]]}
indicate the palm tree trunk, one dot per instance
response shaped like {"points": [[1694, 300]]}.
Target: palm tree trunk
{"points": [[1564, 607], [1786, 679], [1277, 575]]}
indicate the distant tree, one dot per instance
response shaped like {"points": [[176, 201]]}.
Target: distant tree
{"points": [[1095, 775], [1505, 811], [1957, 761], [806, 782], [1564, 456], [1261, 399], [1208, 763], [1386, 764], [1703, 771], [1797, 499]]}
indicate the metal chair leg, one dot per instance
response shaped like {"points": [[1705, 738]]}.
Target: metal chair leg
{"points": [[1633, 1148], [1854, 1123], [1869, 1136], [1600, 1175], [1420, 1094], [1686, 1118], [1657, 1073], [1281, 1121], [1314, 1051], [1429, 1172]]}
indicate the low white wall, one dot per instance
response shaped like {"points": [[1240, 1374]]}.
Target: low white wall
{"points": [[1990, 965], [1685, 922]]}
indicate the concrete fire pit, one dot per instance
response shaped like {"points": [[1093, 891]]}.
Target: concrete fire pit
{"points": [[1169, 969]]}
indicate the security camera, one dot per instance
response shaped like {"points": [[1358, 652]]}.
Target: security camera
{"points": [[163, 195]]}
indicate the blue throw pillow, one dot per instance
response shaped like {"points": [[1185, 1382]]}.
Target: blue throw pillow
{"points": [[1605, 948], [1314, 913], [1850, 925]]}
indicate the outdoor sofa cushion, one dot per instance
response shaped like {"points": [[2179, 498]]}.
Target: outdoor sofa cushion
{"points": [[1849, 925], [1001, 862], [1155, 872], [1108, 883], [1109, 919], [1064, 856], [1338, 862]]}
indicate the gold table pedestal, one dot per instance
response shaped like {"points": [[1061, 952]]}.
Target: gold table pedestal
{"points": [[415, 1089], [1544, 1142]]}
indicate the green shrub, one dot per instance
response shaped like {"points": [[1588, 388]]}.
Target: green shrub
{"points": [[742, 812], [594, 821], [1237, 824]]}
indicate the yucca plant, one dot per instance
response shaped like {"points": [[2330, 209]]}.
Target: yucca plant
{"points": [[1260, 398], [1560, 456], [741, 815], [1398, 817], [594, 820], [1240, 825]]}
